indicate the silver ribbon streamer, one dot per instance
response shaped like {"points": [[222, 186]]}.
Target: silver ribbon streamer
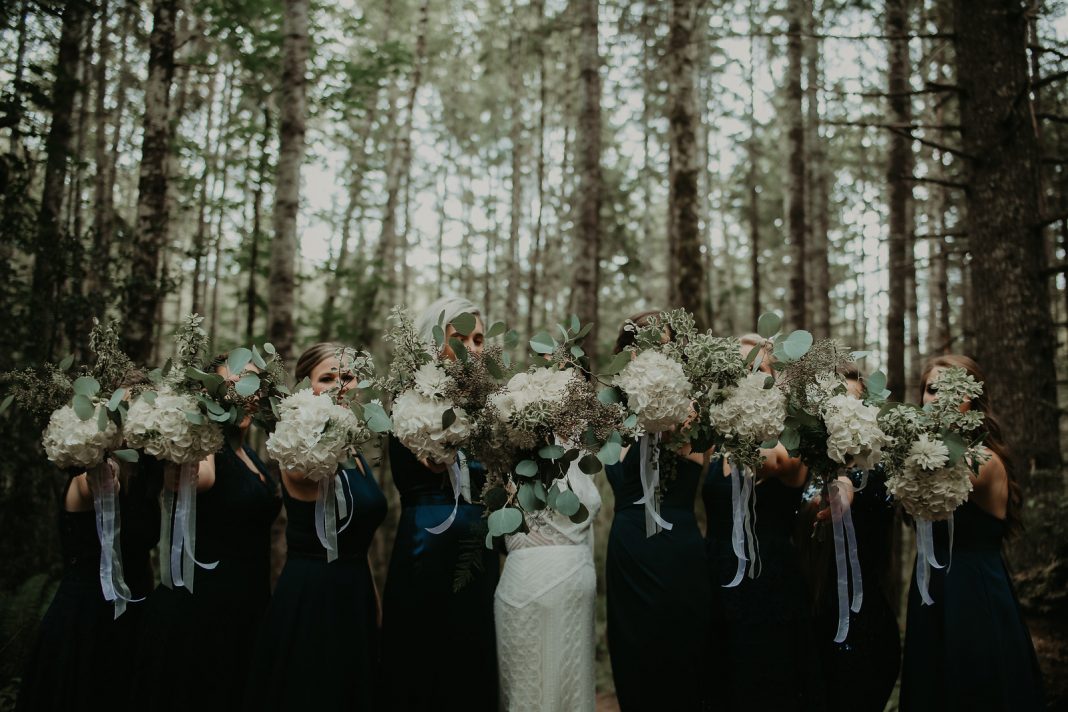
{"points": [[649, 473], [103, 481], [460, 476], [925, 559], [326, 516], [741, 489], [847, 563], [179, 534]]}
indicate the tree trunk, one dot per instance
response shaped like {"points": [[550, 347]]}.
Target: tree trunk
{"points": [[280, 301], [538, 7], [818, 277], [585, 288], [200, 236], [515, 137], [1009, 296], [899, 190], [685, 171], [251, 296], [220, 206], [753, 206], [96, 278], [796, 227], [50, 254], [20, 66]]}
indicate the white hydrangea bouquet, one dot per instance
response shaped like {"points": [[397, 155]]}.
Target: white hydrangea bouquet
{"points": [[538, 425], [831, 431], [932, 455], [315, 434], [86, 435], [436, 401]]}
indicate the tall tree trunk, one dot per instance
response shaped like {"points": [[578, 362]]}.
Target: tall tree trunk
{"points": [[585, 288], [103, 186], [899, 189], [685, 171], [280, 301], [17, 79], [515, 137], [200, 235], [818, 277], [538, 7], [752, 188], [796, 226], [1009, 294], [220, 206], [49, 250], [396, 175], [251, 295]]}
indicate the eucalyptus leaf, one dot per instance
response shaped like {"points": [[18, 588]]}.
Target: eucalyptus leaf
{"points": [[439, 335], [116, 398], [511, 339], [551, 452], [876, 382], [238, 359], [448, 418], [527, 468], [459, 349], [527, 499], [195, 417], [540, 492], [631, 421], [464, 323], [608, 395], [505, 521], [257, 358], [83, 407], [102, 419], [590, 464], [66, 362], [577, 352], [797, 344], [567, 503], [156, 376], [550, 499], [956, 446], [496, 330], [149, 397], [495, 498], [583, 331], [268, 348], [769, 324], [494, 368], [581, 515], [617, 364], [790, 438], [127, 455], [542, 343], [86, 386], [377, 420], [247, 385]]}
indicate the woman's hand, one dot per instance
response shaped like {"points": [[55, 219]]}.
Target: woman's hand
{"points": [[846, 492]]}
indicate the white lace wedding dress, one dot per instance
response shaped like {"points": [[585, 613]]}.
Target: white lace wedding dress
{"points": [[544, 611]]}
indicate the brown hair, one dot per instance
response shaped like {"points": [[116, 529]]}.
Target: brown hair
{"points": [[991, 429], [313, 356], [626, 336]]}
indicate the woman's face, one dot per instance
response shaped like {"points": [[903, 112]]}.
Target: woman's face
{"points": [[930, 392], [327, 375], [472, 342], [224, 371], [855, 388], [765, 363]]}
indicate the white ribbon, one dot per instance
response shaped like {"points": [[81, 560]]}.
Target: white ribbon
{"points": [[649, 472], [741, 529], [847, 563], [925, 557], [460, 476], [326, 516], [102, 480], [179, 534]]}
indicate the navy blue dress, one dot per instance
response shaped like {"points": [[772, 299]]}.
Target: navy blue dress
{"points": [[195, 648], [861, 671], [447, 635], [319, 645], [72, 663], [762, 651], [971, 649], [657, 593]]}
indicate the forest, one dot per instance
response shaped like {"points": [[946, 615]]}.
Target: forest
{"points": [[888, 173]]}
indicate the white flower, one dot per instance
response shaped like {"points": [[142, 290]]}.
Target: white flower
{"points": [[314, 434], [927, 454], [931, 495], [70, 441], [750, 412], [431, 380], [524, 389], [417, 421], [853, 432], [657, 391], [163, 429]]}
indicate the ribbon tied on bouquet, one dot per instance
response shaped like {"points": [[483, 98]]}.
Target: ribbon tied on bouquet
{"points": [[103, 482], [178, 531]]}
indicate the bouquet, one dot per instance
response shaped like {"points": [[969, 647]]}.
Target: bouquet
{"points": [[317, 433], [932, 455], [831, 431], [537, 426], [436, 400]]}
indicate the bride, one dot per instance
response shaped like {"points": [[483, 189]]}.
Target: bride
{"points": [[544, 609]]}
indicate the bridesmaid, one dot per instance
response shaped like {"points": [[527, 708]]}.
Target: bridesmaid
{"points": [[657, 587], [761, 644], [72, 662], [970, 649], [319, 646], [195, 648], [859, 674], [438, 642]]}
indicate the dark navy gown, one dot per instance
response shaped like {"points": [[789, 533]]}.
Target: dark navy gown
{"points": [[762, 647], [73, 663], [971, 649], [195, 648], [319, 645], [860, 673], [658, 592], [447, 635]]}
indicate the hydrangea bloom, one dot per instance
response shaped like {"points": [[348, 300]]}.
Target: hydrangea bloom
{"points": [[417, 421], [657, 391], [314, 434], [932, 495], [162, 429], [528, 402], [750, 412], [70, 441], [853, 432]]}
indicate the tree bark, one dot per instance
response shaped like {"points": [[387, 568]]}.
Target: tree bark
{"points": [[280, 302], [538, 7], [585, 288], [818, 277], [200, 235], [796, 227], [103, 187], [20, 67], [899, 191], [50, 253], [685, 169], [1008, 288], [515, 138], [251, 295]]}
